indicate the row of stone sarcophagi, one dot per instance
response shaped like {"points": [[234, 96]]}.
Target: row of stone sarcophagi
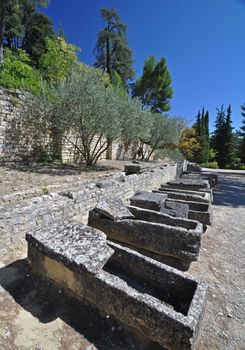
{"points": [[116, 262]]}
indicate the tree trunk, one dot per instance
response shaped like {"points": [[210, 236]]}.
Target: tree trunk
{"points": [[3, 8]]}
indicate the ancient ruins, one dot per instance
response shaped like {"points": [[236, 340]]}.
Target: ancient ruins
{"points": [[128, 259]]}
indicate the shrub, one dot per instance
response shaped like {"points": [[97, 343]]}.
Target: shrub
{"points": [[16, 73], [211, 165], [242, 167]]}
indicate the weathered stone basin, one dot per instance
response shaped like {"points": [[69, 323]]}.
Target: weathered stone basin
{"points": [[175, 207], [206, 196], [212, 178], [159, 202], [176, 246], [159, 302], [189, 184]]}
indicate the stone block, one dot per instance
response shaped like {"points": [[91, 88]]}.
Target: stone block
{"points": [[162, 218], [114, 209], [189, 184], [158, 301], [148, 200], [184, 196], [175, 209], [212, 178], [194, 167], [206, 195], [176, 246]]}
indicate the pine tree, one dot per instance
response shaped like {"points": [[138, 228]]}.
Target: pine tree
{"points": [[112, 51], [242, 134], [154, 86]]}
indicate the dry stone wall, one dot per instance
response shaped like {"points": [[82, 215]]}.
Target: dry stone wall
{"points": [[17, 218], [19, 142]]}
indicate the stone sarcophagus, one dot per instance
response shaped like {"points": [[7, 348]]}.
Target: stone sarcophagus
{"points": [[205, 196], [152, 235], [158, 301], [212, 178], [178, 205]]}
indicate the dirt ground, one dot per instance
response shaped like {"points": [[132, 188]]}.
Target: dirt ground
{"points": [[33, 177], [34, 315]]}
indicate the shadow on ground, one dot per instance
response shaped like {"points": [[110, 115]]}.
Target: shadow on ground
{"points": [[230, 190], [45, 302]]}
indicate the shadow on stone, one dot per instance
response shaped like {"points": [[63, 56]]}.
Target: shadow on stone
{"points": [[45, 302]]}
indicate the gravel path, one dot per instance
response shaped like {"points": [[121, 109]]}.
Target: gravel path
{"points": [[222, 265], [35, 315]]}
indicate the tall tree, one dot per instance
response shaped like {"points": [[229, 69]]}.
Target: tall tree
{"points": [[112, 51], [242, 134], [3, 11], [154, 86], [201, 126], [223, 138], [39, 27], [228, 138], [11, 16]]}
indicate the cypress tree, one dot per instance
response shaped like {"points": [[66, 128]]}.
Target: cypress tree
{"points": [[202, 132], [223, 137], [242, 134]]}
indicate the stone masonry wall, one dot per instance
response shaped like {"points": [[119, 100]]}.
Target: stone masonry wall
{"points": [[16, 219], [18, 142]]}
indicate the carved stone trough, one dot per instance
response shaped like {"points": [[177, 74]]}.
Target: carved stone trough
{"points": [[190, 184], [212, 178], [159, 302], [150, 234], [206, 196], [179, 207]]}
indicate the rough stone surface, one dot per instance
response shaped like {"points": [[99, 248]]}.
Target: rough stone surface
{"points": [[212, 178], [125, 289], [161, 218], [189, 184], [160, 239], [194, 167], [175, 209], [148, 200], [114, 209], [185, 196], [78, 246], [206, 194], [19, 212]]}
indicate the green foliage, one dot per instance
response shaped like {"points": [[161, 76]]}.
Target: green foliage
{"points": [[16, 72], [154, 86], [222, 140], [242, 167], [25, 28], [211, 165], [172, 154], [57, 62], [242, 134], [112, 51], [201, 127], [38, 27]]}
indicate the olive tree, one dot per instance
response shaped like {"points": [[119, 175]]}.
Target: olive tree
{"points": [[85, 105]]}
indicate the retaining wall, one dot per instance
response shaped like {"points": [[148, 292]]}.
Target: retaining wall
{"points": [[16, 219]]}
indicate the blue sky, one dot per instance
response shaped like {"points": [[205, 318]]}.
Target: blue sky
{"points": [[202, 40]]}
